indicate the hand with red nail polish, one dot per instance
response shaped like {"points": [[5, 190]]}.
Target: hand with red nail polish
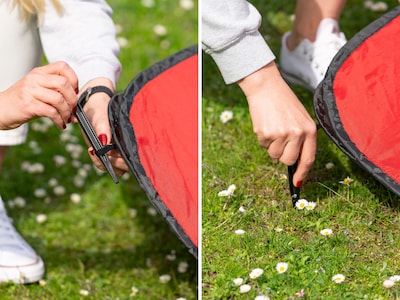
{"points": [[96, 109]]}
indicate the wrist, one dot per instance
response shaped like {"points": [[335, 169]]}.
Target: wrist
{"points": [[266, 76]]}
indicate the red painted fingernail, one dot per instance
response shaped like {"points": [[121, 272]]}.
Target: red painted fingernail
{"points": [[74, 110], [69, 119], [91, 152], [64, 126], [77, 91], [299, 183], [103, 139]]}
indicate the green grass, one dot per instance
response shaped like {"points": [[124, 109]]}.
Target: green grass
{"points": [[364, 216], [100, 244]]}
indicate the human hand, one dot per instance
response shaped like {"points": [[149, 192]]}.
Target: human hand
{"points": [[96, 109], [47, 91], [280, 121]]}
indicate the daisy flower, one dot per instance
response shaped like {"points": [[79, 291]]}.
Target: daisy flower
{"points": [[75, 198], [326, 231], [301, 204], [41, 218], [134, 291], [84, 292], [59, 190], [152, 211], [395, 278], [147, 3], [226, 116], [39, 193], [238, 281], [329, 165], [388, 283], [379, 6], [122, 41], [346, 181], [42, 282], [132, 213], [228, 192], [160, 30], [165, 278], [245, 288], [281, 267], [261, 297], [338, 278], [183, 267], [186, 4], [256, 273], [311, 205], [19, 202]]}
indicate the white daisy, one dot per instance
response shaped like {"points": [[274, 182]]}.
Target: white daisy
{"points": [[226, 116], [261, 297], [160, 30], [134, 291], [238, 281], [183, 267], [165, 278], [346, 181], [245, 288], [388, 283], [301, 204], [326, 231], [240, 232], [41, 218], [186, 4], [338, 278], [329, 165], [311, 205], [256, 273], [281, 267], [84, 292]]}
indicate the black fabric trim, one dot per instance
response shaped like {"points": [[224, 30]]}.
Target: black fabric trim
{"points": [[125, 140], [325, 103]]}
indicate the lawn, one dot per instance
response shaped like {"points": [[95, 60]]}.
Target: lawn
{"points": [[353, 231], [100, 240]]}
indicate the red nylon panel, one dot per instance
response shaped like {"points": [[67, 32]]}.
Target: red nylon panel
{"points": [[367, 93], [164, 116]]}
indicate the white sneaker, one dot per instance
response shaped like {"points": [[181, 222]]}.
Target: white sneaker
{"points": [[307, 64], [18, 261]]}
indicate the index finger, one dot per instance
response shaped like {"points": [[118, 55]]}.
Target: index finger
{"points": [[63, 69], [305, 161]]}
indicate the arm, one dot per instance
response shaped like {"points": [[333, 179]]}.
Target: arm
{"points": [[280, 121], [84, 36], [230, 35]]}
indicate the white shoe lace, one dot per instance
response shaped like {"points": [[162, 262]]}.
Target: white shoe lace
{"points": [[321, 53]]}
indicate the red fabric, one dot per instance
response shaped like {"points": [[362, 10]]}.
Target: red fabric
{"points": [[164, 116], [367, 93]]}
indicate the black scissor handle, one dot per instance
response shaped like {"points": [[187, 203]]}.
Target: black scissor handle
{"points": [[87, 128]]}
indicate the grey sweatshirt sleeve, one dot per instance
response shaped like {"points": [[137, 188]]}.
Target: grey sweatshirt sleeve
{"points": [[230, 35], [84, 36]]}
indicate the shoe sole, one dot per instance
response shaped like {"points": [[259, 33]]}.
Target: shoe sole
{"points": [[293, 80], [23, 274]]}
